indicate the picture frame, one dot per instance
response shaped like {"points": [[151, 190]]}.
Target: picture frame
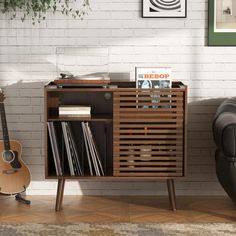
{"points": [[153, 77], [222, 23], [164, 8]]}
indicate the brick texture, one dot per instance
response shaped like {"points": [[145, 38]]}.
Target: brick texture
{"points": [[27, 61]]}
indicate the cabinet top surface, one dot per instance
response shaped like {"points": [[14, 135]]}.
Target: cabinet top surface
{"points": [[113, 87]]}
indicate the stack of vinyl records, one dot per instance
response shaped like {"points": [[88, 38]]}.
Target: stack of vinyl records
{"points": [[54, 145], [95, 165], [71, 150], [72, 154]]}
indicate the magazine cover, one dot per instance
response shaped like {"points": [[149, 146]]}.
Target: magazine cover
{"points": [[153, 77]]}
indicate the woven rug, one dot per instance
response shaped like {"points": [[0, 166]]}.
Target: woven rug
{"points": [[123, 229]]}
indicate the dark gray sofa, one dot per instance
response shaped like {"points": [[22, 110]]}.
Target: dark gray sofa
{"points": [[224, 131]]}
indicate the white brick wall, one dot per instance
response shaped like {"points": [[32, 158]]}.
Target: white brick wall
{"points": [[26, 52]]}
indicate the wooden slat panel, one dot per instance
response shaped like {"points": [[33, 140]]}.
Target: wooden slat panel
{"points": [[158, 156], [157, 136], [151, 109], [158, 142], [155, 131], [147, 169], [141, 120], [157, 127], [120, 147], [147, 114], [150, 152], [148, 163], [146, 174], [155, 92], [146, 125], [118, 104], [148, 99], [153, 158], [131, 89]]}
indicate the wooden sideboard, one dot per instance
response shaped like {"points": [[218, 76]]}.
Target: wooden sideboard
{"points": [[140, 134]]}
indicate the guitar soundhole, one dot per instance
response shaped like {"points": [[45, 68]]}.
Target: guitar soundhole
{"points": [[8, 156]]}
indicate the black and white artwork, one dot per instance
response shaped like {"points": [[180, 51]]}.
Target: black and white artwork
{"points": [[225, 16], [164, 8]]}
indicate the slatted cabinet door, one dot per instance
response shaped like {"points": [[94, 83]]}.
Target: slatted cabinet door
{"points": [[148, 133]]}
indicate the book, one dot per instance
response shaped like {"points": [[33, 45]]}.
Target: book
{"points": [[67, 110], [75, 115], [54, 145], [74, 111], [79, 108]]}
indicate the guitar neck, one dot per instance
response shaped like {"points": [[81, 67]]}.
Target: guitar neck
{"points": [[4, 127]]}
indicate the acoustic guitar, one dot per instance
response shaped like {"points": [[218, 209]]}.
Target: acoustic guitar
{"points": [[14, 174]]}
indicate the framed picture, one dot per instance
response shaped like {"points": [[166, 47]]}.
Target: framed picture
{"points": [[222, 23], [164, 8], [153, 77]]}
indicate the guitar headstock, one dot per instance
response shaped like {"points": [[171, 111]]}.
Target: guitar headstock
{"points": [[2, 95]]}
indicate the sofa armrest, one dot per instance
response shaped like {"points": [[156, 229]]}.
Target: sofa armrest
{"points": [[224, 127]]}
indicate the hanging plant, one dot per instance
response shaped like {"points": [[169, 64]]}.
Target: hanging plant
{"points": [[37, 9]]}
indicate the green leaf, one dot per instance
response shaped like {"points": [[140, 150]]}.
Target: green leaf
{"points": [[37, 9]]}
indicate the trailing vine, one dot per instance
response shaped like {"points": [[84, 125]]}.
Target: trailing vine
{"points": [[37, 9]]}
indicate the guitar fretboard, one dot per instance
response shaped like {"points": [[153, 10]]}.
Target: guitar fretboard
{"points": [[4, 127]]}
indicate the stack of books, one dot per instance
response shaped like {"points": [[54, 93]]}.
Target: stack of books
{"points": [[74, 111]]}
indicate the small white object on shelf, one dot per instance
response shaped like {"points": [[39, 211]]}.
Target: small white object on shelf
{"points": [[71, 110]]}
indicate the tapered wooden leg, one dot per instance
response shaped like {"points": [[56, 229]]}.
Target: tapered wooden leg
{"points": [[171, 192], [60, 193]]}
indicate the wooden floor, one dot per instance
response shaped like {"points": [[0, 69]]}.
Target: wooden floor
{"points": [[118, 209]]}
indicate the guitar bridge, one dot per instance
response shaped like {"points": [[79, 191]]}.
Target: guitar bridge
{"points": [[9, 172]]}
